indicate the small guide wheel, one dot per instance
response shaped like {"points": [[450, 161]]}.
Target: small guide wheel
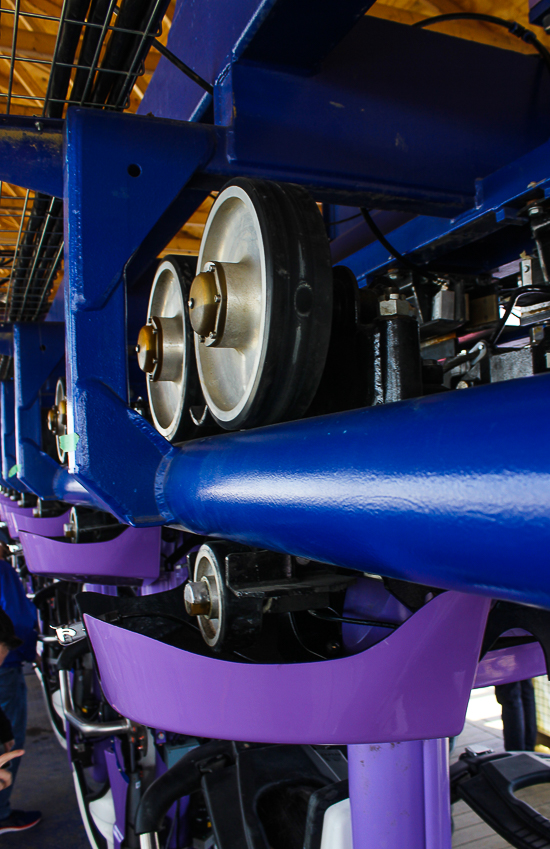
{"points": [[225, 621], [57, 417], [165, 352], [261, 304]]}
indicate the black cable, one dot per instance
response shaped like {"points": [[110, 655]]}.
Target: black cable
{"points": [[518, 30], [301, 642], [182, 66], [377, 232], [522, 290], [344, 220], [348, 620], [154, 615]]}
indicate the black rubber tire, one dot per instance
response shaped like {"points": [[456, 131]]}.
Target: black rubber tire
{"points": [[187, 429], [299, 303]]}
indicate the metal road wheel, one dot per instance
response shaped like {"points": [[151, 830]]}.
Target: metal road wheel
{"points": [[225, 621], [57, 417], [261, 304], [165, 353], [209, 570]]}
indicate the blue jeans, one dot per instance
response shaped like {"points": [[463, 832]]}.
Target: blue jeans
{"points": [[519, 715], [13, 701]]}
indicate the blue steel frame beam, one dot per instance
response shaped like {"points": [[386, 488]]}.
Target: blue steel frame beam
{"points": [[396, 118], [7, 437], [382, 489], [31, 151], [39, 355], [500, 198], [288, 33]]}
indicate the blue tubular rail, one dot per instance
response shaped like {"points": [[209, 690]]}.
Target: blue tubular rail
{"points": [[445, 490]]}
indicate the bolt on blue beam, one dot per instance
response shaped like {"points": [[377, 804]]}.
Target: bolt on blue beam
{"points": [[9, 459], [31, 153], [432, 490]]}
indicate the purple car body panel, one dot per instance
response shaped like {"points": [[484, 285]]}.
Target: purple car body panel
{"points": [[47, 527], [130, 558], [419, 679], [12, 513], [511, 664]]}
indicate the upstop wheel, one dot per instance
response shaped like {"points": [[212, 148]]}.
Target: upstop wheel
{"points": [[261, 304], [165, 353]]}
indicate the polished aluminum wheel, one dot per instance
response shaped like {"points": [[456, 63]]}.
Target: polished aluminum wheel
{"points": [[261, 304], [207, 572], [57, 418], [165, 352]]}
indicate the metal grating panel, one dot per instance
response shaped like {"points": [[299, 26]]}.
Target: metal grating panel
{"points": [[81, 52]]}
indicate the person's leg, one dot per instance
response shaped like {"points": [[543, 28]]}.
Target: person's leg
{"points": [[529, 714], [509, 697], [13, 701]]}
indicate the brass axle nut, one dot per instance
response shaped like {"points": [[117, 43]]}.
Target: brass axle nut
{"points": [[52, 420], [147, 348], [57, 418], [69, 531], [196, 597], [204, 303]]}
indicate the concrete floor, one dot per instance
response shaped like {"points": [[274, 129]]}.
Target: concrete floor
{"points": [[44, 783]]}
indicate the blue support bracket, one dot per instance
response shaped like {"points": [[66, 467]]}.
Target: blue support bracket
{"points": [[125, 197], [39, 356], [9, 458], [31, 153]]}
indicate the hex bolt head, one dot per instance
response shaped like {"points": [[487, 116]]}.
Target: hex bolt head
{"points": [[196, 597]]}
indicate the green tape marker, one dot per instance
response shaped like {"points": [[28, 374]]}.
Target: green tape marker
{"points": [[14, 470], [69, 441]]}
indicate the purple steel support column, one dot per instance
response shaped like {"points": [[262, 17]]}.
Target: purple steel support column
{"points": [[399, 794]]}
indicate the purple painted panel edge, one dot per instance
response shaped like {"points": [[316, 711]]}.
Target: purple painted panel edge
{"points": [[413, 685], [512, 664], [50, 527], [134, 554]]}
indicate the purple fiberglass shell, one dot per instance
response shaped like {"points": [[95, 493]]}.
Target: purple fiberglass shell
{"points": [[12, 513], [130, 558], [46, 527], [414, 684], [504, 666]]}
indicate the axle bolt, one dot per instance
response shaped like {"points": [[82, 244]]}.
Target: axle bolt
{"points": [[196, 597], [202, 303], [146, 348]]}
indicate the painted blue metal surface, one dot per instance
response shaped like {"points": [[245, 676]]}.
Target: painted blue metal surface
{"points": [[31, 153], [435, 490], [348, 123], [39, 356], [124, 212], [106, 206], [499, 196], [538, 10], [296, 33], [327, 489], [9, 460]]}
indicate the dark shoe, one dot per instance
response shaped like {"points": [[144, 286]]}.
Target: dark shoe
{"points": [[19, 821]]}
